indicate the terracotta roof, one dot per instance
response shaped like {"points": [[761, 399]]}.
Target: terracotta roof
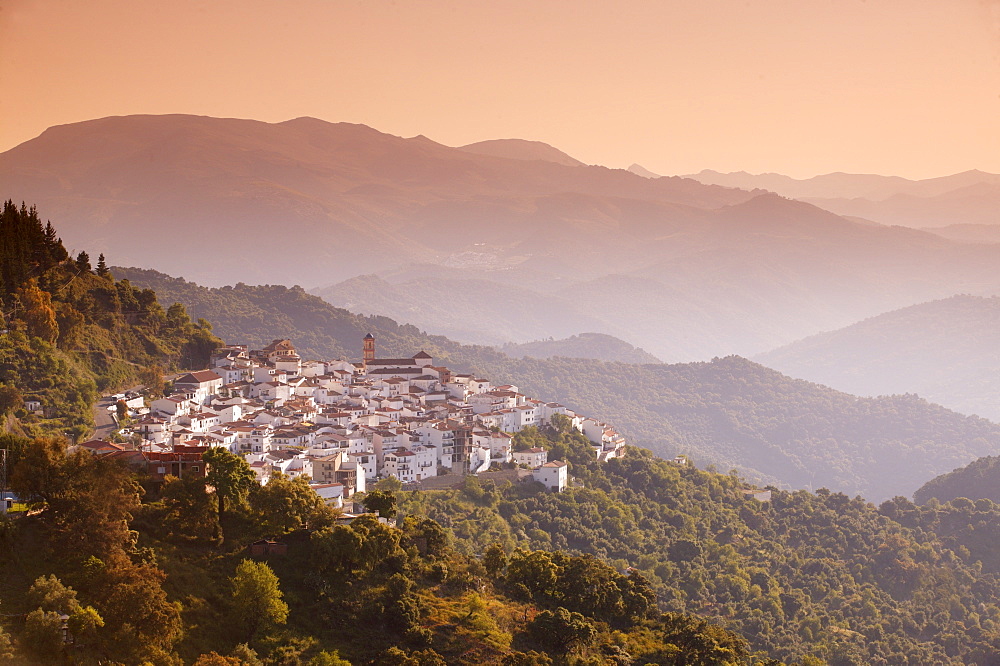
{"points": [[200, 377]]}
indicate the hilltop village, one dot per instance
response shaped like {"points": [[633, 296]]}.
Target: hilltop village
{"points": [[346, 424]]}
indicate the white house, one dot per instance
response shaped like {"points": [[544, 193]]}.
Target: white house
{"points": [[553, 475], [203, 384], [533, 458], [331, 493]]}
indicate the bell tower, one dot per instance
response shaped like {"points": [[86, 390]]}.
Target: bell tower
{"points": [[369, 349]]}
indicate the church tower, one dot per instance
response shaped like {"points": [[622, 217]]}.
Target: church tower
{"points": [[369, 349]]}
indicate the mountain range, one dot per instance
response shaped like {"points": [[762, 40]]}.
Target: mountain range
{"points": [[682, 269], [967, 198], [948, 351]]}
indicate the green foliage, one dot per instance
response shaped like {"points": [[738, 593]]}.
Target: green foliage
{"points": [[560, 631], [804, 574], [43, 633], [283, 504], [382, 502], [189, 512], [980, 479], [230, 475], [70, 333], [257, 599]]}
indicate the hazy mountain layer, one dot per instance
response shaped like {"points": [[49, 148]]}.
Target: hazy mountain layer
{"points": [[473, 310], [969, 233], [222, 200], [586, 345], [947, 351], [519, 149], [970, 197], [978, 203], [730, 412], [871, 187], [681, 269]]}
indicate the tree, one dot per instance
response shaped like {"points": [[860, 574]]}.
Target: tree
{"points": [[191, 513], [530, 658], [83, 262], [216, 659], [284, 504], [49, 594], [6, 648], [151, 377], [10, 399], [257, 598], [325, 658], [102, 266], [230, 475], [39, 315], [560, 631], [495, 559], [381, 501], [38, 475], [53, 602], [43, 633]]}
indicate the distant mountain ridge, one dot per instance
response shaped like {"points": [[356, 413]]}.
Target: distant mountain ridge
{"points": [[845, 185], [970, 197], [585, 345], [520, 149], [948, 351], [682, 269]]}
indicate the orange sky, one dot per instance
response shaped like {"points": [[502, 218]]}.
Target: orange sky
{"points": [[907, 87]]}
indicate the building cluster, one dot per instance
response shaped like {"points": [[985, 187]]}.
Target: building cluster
{"points": [[345, 424]]}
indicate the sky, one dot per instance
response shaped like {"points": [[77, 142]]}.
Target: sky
{"points": [[800, 87]]}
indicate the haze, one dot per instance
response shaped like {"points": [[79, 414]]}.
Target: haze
{"points": [[909, 88]]}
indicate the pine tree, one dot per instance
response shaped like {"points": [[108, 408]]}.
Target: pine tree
{"points": [[83, 261], [102, 266]]}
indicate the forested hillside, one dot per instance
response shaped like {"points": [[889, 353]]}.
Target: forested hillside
{"points": [[729, 412], [164, 577], [980, 479], [72, 330], [597, 346], [803, 574]]}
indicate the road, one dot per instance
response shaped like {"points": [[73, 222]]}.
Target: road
{"points": [[104, 423]]}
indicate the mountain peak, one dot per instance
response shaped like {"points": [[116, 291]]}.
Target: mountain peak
{"points": [[521, 149], [640, 170]]}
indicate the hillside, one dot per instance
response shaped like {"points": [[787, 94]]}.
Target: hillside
{"points": [[948, 351], [71, 330], [586, 345], [969, 233], [730, 412], [476, 311], [689, 270], [801, 574], [159, 573], [724, 284], [980, 479]]}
